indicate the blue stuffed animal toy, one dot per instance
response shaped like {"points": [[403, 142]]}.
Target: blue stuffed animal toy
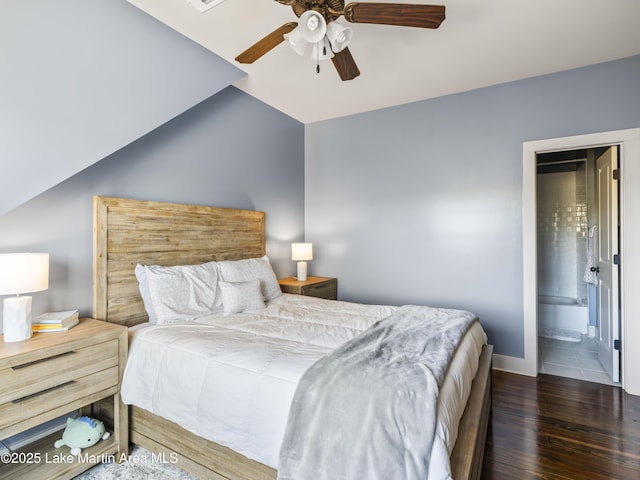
{"points": [[81, 433]]}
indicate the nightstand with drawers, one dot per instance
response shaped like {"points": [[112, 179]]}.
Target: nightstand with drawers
{"points": [[55, 374], [321, 287]]}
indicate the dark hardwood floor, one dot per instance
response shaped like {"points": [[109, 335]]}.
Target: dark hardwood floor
{"points": [[559, 428]]}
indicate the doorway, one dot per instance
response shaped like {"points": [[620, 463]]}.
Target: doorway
{"points": [[629, 142], [578, 318]]}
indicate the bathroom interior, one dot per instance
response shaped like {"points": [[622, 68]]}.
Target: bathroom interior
{"points": [[566, 239]]}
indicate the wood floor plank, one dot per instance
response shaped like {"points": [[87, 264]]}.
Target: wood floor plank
{"points": [[555, 428]]}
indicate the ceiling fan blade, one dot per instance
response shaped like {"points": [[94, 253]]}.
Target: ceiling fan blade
{"points": [[401, 14], [345, 65], [257, 50]]}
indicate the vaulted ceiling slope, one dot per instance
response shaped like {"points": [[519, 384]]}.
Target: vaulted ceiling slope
{"points": [[480, 43], [82, 79]]}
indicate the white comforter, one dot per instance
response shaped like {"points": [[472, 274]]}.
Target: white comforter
{"points": [[231, 379]]}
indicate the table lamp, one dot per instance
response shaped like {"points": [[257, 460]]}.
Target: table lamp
{"points": [[302, 252], [21, 273]]}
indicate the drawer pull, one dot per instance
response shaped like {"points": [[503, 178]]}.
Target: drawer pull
{"points": [[25, 365], [42, 392]]}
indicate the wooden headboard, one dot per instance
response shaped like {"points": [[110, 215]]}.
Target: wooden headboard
{"points": [[127, 232]]}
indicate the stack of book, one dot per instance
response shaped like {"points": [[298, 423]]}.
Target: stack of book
{"points": [[55, 321]]}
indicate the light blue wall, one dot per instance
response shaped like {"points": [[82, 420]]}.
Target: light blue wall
{"points": [[422, 203], [81, 79], [229, 151]]}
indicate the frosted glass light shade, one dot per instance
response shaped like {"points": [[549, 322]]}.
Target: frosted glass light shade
{"points": [[312, 26], [308, 38], [23, 273], [339, 36], [296, 41]]}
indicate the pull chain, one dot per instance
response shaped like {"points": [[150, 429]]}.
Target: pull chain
{"points": [[324, 54]]}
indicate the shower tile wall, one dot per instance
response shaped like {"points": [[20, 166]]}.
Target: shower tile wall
{"points": [[562, 232], [582, 230]]}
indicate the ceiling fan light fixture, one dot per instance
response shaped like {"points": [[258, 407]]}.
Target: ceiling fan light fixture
{"points": [[330, 40], [339, 36]]}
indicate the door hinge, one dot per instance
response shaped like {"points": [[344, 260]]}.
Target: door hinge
{"points": [[617, 345], [616, 174], [616, 259]]}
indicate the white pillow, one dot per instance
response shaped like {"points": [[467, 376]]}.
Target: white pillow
{"points": [[251, 269], [239, 297], [182, 292], [143, 286]]}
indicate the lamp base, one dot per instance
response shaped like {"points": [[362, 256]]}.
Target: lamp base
{"points": [[302, 271], [16, 319]]}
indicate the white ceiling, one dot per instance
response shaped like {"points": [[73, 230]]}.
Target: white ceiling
{"points": [[480, 43]]}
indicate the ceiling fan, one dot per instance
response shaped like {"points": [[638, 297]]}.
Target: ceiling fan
{"points": [[318, 35]]}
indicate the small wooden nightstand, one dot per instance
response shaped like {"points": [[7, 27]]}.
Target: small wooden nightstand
{"points": [[321, 287], [54, 374]]}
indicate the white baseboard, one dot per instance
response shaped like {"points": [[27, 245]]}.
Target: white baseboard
{"points": [[514, 365]]}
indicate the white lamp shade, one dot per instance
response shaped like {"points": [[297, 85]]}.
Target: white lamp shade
{"points": [[301, 251], [23, 273], [339, 36]]}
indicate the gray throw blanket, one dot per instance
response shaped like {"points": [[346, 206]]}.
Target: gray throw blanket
{"points": [[368, 409]]}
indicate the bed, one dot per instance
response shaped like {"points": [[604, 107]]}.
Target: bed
{"points": [[132, 232]]}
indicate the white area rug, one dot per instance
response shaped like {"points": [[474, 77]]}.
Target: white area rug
{"points": [[140, 465]]}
